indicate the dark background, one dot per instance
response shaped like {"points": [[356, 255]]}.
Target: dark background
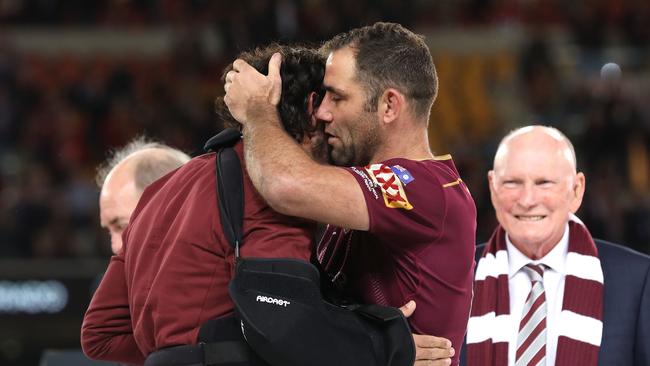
{"points": [[78, 78]]}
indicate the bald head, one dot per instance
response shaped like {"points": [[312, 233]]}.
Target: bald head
{"points": [[125, 176], [534, 187], [547, 137]]}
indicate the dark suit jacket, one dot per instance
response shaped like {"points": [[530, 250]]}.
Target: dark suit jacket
{"points": [[626, 307]]}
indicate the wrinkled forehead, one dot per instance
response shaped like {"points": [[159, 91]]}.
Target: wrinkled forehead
{"points": [[535, 146], [526, 161]]}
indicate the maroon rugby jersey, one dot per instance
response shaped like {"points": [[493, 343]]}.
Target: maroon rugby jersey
{"points": [[420, 245], [174, 270]]}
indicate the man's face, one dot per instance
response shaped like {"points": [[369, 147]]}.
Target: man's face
{"points": [[117, 201], [534, 188], [352, 133], [313, 142]]}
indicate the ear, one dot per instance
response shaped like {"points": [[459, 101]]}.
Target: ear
{"points": [[310, 103], [577, 192], [490, 177], [391, 105]]}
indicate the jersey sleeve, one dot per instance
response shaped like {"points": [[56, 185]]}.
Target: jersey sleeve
{"points": [[106, 332], [405, 201]]}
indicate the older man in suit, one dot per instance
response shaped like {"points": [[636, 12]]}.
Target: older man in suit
{"points": [[545, 292]]}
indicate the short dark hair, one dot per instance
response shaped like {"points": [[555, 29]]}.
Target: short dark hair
{"points": [[391, 56], [302, 72]]}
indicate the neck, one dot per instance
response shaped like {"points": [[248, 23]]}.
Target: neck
{"points": [[535, 252], [399, 143]]}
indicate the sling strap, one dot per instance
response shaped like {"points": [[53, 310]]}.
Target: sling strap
{"points": [[281, 317], [230, 185]]}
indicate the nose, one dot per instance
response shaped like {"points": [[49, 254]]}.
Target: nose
{"points": [[528, 196], [323, 112], [116, 242]]}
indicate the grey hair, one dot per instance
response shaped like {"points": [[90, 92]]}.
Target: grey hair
{"points": [[149, 167]]}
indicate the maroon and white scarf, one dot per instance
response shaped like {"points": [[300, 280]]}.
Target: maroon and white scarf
{"points": [[581, 324]]}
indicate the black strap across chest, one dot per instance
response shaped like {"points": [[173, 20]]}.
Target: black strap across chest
{"points": [[230, 185]]}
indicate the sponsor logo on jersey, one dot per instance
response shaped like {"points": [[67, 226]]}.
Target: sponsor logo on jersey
{"points": [[370, 184], [391, 186], [272, 300]]}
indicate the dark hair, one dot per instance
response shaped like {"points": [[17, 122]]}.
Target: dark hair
{"points": [[302, 73], [391, 56]]}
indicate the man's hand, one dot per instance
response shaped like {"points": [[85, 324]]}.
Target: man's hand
{"points": [[429, 350], [251, 96]]}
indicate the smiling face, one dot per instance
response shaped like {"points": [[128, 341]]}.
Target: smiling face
{"points": [[352, 132], [534, 187]]}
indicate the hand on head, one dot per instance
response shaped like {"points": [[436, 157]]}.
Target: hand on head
{"points": [[250, 94]]}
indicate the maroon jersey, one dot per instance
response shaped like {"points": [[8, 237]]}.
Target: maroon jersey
{"points": [[419, 246], [174, 270]]}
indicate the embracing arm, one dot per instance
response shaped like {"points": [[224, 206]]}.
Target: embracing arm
{"points": [[106, 332], [429, 350], [293, 184], [288, 179]]}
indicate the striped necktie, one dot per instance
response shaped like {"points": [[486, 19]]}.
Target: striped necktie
{"points": [[531, 341]]}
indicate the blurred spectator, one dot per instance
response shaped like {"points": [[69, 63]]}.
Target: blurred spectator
{"points": [[60, 112], [540, 80]]}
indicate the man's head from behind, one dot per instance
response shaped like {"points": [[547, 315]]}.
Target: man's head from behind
{"points": [[375, 75], [123, 178], [534, 187], [302, 72]]}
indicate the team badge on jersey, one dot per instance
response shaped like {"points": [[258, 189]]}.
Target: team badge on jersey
{"points": [[391, 185]]}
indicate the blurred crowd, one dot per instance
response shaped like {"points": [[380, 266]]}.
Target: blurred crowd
{"points": [[60, 115]]}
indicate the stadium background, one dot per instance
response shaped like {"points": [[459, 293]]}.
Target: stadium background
{"points": [[78, 78]]}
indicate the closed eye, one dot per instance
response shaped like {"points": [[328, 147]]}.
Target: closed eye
{"points": [[511, 183], [335, 98], [335, 95], [544, 183]]}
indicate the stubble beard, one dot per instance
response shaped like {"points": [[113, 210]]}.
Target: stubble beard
{"points": [[363, 144]]}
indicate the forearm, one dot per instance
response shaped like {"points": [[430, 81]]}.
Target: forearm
{"points": [[293, 184], [274, 161], [106, 332], [98, 344]]}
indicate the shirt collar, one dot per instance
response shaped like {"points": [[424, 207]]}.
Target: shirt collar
{"points": [[555, 259]]}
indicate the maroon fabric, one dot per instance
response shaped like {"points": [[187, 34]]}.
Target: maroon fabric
{"points": [[584, 297], [581, 300], [174, 270], [571, 352], [425, 253], [590, 303], [486, 352], [491, 293]]}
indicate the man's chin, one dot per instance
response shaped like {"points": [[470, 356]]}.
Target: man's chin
{"points": [[333, 157], [320, 152]]}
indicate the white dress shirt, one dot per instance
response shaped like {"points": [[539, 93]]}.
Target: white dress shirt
{"points": [[519, 285]]}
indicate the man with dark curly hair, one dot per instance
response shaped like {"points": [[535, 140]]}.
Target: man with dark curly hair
{"points": [[402, 221], [173, 272]]}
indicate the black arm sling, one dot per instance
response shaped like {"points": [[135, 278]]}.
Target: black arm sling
{"points": [[279, 309]]}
